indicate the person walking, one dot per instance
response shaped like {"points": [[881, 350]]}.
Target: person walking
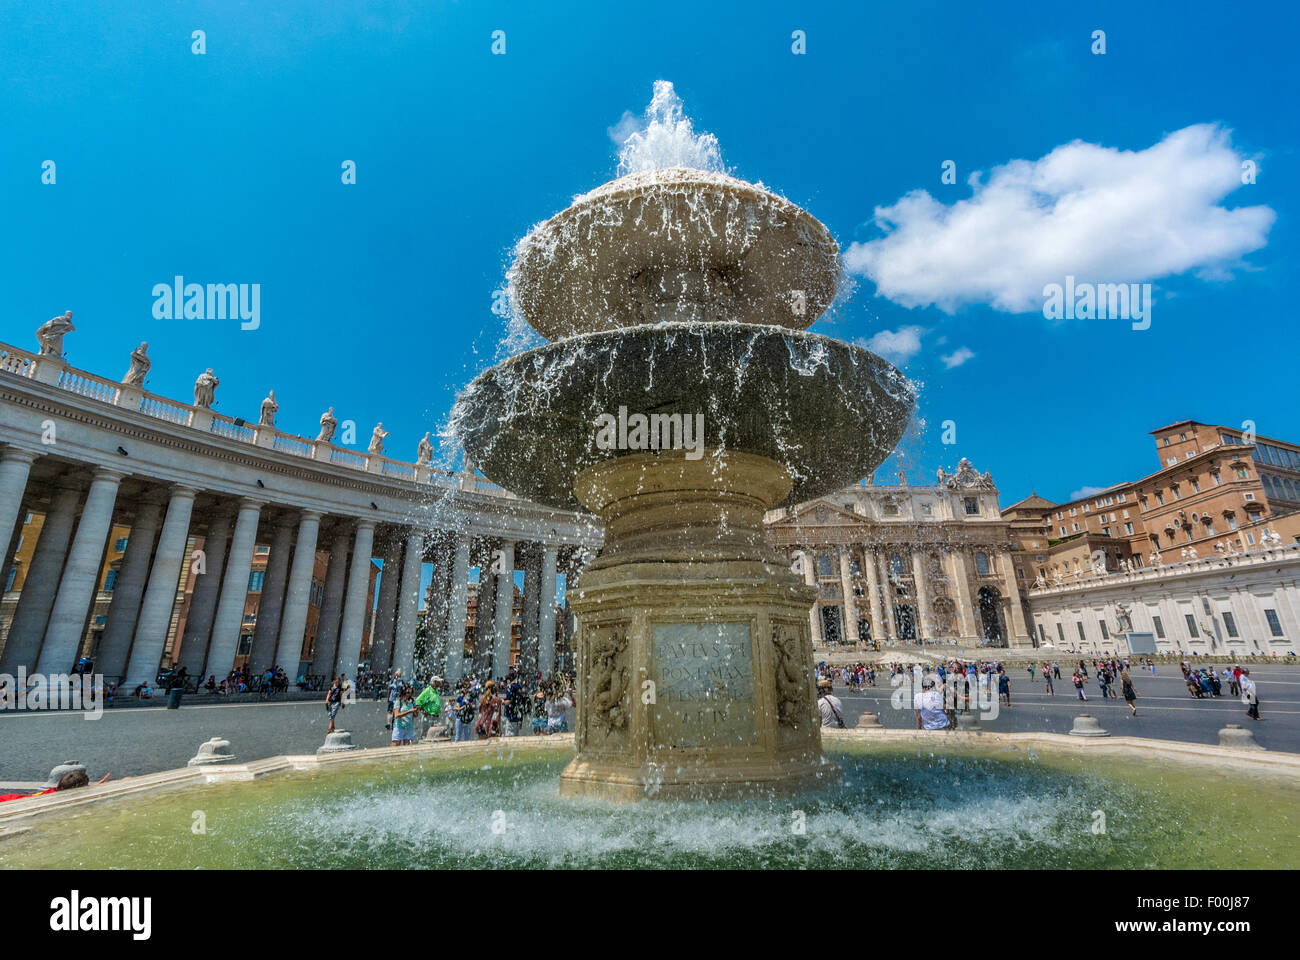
{"points": [[1249, 695], [829, 705], [1047, 679], [1056, 670], [1078, 687], [1129, 691], [1004, 687], [1031, 672], [334, 701]]}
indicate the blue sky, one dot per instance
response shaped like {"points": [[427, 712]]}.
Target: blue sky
{"points": [[376, 297]]}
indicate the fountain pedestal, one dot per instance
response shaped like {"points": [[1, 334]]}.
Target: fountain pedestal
{"points": [[693, 636]]}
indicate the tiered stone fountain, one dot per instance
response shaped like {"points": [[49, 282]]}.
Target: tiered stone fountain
{"points": [[678, 294]]}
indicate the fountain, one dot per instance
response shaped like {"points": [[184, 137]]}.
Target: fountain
{"points": [[680, 399]]}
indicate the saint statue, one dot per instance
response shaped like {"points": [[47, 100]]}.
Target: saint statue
{"points": [[377, 438], [269, 408], [424, 453], [140, 364], [328, 424], [50, 334], [205, 389]]}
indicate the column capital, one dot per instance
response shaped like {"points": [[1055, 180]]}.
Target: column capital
{"points": [[108, 473], [305, 515], [180, 491], [12, 454], [365, 524], [251, 503]]}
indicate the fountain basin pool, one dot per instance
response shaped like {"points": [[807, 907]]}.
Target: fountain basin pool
{"points": [[901, 804]]}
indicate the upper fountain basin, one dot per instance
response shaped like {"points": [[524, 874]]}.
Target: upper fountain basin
{"points": [[827, 411], [674, 245]]}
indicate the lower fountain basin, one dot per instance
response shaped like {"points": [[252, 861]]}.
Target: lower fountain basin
{"points": [[926, 804], [827, 411]]}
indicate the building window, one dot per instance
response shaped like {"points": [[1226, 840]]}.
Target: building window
{"points": [[120, 544], [1218, 480], [9, 580], [982, 564], [1191, 625], [1128, 528], [1042, 635], [1274, 624], [1160, 627], [1209, 528], [1160, 498], [110, 581], [1060, 633], [255, 581], [1229, 623], [1105, 634], [896, 565], [1232, 523], [261, 548], [972, 506], [823, 565], [1082, 637]]}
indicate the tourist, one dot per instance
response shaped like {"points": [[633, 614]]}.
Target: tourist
{"points": [[464, 712], [489, 712], [1004, 687], [1234, 681], [1130, 692], [1249, 695], [1056, 670], [557, 710], [394, 688], [1031, 672], [829, 705], [929, 706], [334, 701], [404, 716], [69, 781], [1103, 682], [515, 708], [1078, 686], [1047, 679]]}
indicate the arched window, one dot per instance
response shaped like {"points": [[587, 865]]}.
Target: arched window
{"points": [[896, 565], [982, 563], [823, 565]]}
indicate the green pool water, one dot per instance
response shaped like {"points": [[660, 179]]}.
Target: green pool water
{"points": [[896, 807]]}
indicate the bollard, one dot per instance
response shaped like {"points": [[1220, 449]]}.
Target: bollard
{"points": [[340, 741], [1086, 725], [216, 750], [870, 721], [1235, 735], [969, 721]]}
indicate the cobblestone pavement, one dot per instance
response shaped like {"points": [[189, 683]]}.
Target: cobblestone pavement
{"points": [[129, 742]]}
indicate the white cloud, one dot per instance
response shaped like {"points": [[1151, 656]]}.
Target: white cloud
{"points": [[896, 346], [1086, 492], [1095, 213], [957, 357]]}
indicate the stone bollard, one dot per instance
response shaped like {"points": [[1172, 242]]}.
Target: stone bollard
{"points": [[340, 741], [1235, 735], [969, 721], [216, 750], [1086, 725], [68, 766], [869, 721]]}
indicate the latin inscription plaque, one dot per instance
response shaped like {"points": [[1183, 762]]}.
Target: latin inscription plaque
{"points": [[704, 684]]}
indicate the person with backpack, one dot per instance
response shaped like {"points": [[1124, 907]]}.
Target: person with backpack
{"points": [[464, 713], [515, 709], [1130, 692], [829, 705]]}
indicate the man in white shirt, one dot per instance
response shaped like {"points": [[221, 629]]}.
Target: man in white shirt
{"points": [[930, 714], [829, 706], [1249, 695]]}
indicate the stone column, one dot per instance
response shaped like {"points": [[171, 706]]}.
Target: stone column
{"points": [[485, 621], [408, 604], [266, 633], [15, 466], [504, 611], [887, 596], [27, 629], [815, 613], [457, 609], [1019, 631], [207, 587], [353, 624], [872, 570], [325, 653], [381, 636], [530, 632], [546, 611], [297, 596], [128, 590], [924, 624], [850, 601], [160, 595], [965, 603], [229, 621], [77, 586]]}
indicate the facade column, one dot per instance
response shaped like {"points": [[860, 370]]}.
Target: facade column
{"points": [[381, 635], [815, 613], [77, 586], [965, 603], [266, 632], [546, 610], [872, 570], [850, 600], [15, 467], [408, 604], [353, 624], [229, 621], [457, 609], [325, 653], [128, 590], [529, 634], [887, 596], [27, 629], [1019, 631], [297, 596], [924, 623], [504, 611], [485, 621], [160, 595], [207, 586]]}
